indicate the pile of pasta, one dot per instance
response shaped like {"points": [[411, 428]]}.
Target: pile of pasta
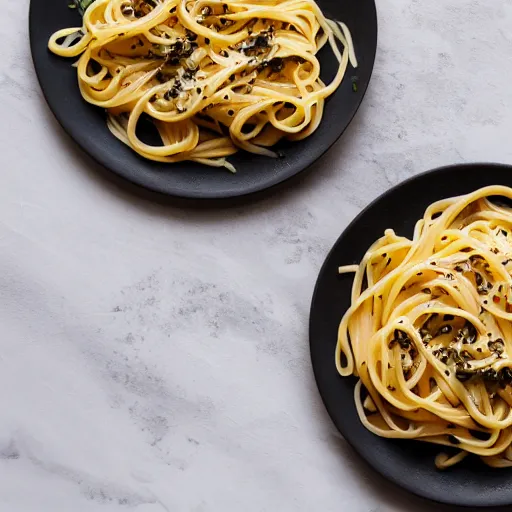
{"points": [[214, 77], [429, 330]]}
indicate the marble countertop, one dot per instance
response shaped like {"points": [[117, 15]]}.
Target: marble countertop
{"points": [[155, 358]]}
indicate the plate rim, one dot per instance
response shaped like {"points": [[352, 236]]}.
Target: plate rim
{"points": [[354, 446], [180, 192]]}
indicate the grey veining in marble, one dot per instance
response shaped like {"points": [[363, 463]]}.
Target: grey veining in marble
{"points": [[156, 359]]}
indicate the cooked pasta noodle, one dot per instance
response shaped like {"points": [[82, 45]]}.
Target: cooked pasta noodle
{"points": [[429, 330], [214, 77]]}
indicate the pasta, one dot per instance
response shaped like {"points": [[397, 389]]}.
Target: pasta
{"points": [[213, 77], [429, 330]]}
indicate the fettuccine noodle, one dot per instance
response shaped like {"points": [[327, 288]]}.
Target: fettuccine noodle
{"points": [[429, 330], [214, 77]]}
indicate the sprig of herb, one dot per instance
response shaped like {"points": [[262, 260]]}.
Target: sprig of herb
{"points": [[82, 5]]}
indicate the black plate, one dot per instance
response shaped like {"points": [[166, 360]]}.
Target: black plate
{"points": [[409, 464], [86, 124]]}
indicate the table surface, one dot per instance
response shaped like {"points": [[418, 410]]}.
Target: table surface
{"points": [[154, 357]]}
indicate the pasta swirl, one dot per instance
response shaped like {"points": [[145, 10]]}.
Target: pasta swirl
{"points": [[213, 77], [429, 330]]}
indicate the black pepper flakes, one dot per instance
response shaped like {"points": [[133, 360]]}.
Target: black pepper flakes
{"points": [[276, 65], [261, 41]]}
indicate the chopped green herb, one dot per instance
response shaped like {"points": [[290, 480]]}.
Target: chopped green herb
{"points": [[355, 81], [82, 5]]}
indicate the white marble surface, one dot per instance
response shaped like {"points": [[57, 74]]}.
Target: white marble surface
{"points": [[156, 359]]}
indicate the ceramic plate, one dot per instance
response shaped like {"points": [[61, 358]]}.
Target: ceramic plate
{"points": [[409, 464], [86, 124]]}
